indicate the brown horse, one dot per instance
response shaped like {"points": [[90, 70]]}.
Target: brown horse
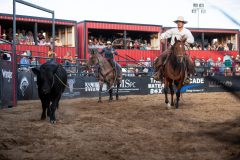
{"points": [[105, 74], [175, 70]]}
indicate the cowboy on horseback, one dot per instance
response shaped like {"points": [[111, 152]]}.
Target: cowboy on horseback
{"points": [[109, 53], [179, 33]]}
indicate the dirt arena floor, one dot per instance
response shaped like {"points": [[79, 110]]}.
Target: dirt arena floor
{"points": [[206, 127]]}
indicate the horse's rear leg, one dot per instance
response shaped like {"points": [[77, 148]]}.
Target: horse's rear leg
{"points": [[100, 92], [118, 85], [172, 93]]}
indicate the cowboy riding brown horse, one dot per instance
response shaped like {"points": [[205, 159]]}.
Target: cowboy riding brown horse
{"points": [[175, 70], [105, 73]]}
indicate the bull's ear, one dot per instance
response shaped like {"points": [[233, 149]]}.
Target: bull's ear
{"points": [[36, 71]]}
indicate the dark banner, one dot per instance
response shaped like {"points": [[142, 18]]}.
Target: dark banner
{"points": [[6, 84], [89, 86]]}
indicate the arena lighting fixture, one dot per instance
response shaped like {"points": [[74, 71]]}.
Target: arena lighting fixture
{"points": [[198, 8]]}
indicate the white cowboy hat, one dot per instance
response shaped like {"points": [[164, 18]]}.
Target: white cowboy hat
{"points": [[24, 54], [90, 41], [109, 42], [180, 19], [148, 59], [219, 58]]}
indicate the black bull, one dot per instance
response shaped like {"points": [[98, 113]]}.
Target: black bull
{"points": [[51, 80]]}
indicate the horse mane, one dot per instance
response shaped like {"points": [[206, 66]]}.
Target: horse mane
{"points": [[173, 57]]}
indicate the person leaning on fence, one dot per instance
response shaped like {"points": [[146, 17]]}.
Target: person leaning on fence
{"points": [[24, 62], [109, 53], [52, 55], [179, 33], [68, 59]]}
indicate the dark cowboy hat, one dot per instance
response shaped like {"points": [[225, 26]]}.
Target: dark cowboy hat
{"points": [[180, 19]]}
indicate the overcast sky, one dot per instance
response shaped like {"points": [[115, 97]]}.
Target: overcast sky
{"points": [[160, 12]]}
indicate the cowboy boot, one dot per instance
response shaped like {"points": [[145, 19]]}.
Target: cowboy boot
{"points": [[186, 80], [156, 76]]}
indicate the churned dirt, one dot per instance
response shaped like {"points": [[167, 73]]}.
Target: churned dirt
{"points": [[206, 127]]}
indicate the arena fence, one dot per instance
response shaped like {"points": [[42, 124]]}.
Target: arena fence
{"points": [[87, 86], [207, 79]]}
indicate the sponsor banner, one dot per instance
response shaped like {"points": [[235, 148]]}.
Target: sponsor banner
{"points": [[89, 86], [155, 87], [25, 85], [197, 84], [6, 84]]}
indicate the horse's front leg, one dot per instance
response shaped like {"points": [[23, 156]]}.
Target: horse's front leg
{"points": [[172, 93], [178, 95], [100, 91], [110, 91], [166, 92]]}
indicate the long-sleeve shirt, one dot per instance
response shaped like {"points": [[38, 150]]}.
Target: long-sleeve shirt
{"points": [[24, 62], [108, 52], [174, 32]]}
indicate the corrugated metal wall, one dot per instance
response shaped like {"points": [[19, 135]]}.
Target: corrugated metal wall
{"points": [[122, 26]]}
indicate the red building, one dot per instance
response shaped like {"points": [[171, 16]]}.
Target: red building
{"points": [[65, 34], [125, 35], [206, 38]]}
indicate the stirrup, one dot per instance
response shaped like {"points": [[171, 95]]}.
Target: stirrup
{"points": [[186, 81]]}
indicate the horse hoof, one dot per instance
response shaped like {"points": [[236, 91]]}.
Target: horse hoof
{"points": [[168, 106], [99, 101], [53, 122]]}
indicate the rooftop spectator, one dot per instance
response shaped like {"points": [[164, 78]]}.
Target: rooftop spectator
{"points": [[149, 47], [136, 45], [41, 36], [58, 42], [42, 42], [230, 45], [226, 47], [220, 48]]}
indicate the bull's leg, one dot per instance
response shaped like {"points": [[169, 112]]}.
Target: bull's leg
{"points": [[45, 105], [172, 93], [118, 85], [52, 114], [100, 92], [53, 108]]}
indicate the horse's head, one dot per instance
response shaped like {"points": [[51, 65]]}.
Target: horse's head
{"points": [[178, 49], [93, 57]]}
